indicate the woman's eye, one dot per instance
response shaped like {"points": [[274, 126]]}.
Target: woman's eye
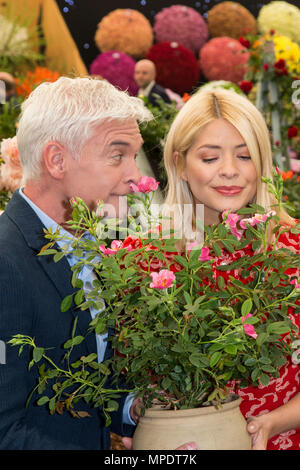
{"points": [[208, 160], [245, 157]]}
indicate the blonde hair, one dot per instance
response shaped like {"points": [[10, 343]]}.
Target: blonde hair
{"points": [[67, 111], [204, 107]]}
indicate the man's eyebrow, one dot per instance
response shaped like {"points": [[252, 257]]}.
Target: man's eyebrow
{"points": [[118, 142], [121, 142]]}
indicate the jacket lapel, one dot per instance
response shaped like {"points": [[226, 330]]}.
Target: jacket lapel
{"points": [[59, 273]]}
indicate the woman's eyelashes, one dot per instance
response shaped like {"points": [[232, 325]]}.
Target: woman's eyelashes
{"points": [[213, 159]]}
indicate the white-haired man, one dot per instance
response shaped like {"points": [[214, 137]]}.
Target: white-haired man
{"points": [[76, 137]]}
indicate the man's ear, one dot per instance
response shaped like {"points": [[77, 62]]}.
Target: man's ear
{"points": [[54, 157], [180, 166]]}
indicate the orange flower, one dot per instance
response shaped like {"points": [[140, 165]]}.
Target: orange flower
{"points": [[287, 175], [298, 179], [186, 97], [35, 78]]}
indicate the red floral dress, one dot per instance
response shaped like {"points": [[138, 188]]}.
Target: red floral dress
{"points": [[258, 400]]}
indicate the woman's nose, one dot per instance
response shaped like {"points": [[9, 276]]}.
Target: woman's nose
{"points": [[229, 167]]}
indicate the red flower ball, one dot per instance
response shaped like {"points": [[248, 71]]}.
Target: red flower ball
{"points": [[266, 67], [246, 86], [224, 58], [292, 132], [176, 66]]}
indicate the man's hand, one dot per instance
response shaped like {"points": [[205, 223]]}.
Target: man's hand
{"points": [[135, 409]]}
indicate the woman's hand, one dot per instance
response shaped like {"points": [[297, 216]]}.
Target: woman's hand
{"points": [[259, 431]]}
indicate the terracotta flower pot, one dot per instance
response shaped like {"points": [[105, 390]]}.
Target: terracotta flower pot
{"points": [[211, 429]]}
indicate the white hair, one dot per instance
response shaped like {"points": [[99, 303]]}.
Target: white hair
{"points": [[67, 111]]}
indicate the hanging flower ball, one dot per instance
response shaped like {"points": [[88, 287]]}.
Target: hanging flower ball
{"points": [[181, 24], [176, 66], [282, 17], [126, 31], [224, 84], [230, 19], [287, 52], [117, 68], [230, 65]]}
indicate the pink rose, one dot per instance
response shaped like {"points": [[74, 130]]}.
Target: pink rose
{"points": [[11, 169], [295, 283], [145, 185], [295, 166], [231, 221], [249, 329], [256, 219], [163, 279], [204, 255], [115, 246]]}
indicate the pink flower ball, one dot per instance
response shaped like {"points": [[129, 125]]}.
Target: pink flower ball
{"points": [[223, 58], [117, 68], [181, 24], [176, 66]]}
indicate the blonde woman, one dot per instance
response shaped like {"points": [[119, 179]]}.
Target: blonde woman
{"points": [[216, 153]]}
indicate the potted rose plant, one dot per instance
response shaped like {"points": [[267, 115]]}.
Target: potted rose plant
{"points": [[189, 326]]}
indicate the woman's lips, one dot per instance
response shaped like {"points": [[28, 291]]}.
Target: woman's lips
{"points": [[229, 190]]}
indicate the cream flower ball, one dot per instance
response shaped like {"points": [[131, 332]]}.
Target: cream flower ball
{"points": [[282, 17]]}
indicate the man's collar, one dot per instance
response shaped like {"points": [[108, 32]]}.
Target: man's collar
{"points": [[146, 91]]}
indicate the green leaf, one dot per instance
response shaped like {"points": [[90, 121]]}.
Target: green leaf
{"points": [[250, 362], [73, 341], [246, 307], [255, 374], [111, 405], [166, 383], [229, 247], [66, 303], [59, 255], [217, 249], [220, 282], [38, 354], [79, 297], [262, 337], [181, 260], [198, 360], [264, 379], [231, 349], [216, 356], [279, 328], [42, 401]]}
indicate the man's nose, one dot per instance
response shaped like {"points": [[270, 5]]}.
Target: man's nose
{"points": [[133, 174]]}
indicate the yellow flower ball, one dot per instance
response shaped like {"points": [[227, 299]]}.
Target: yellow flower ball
{"points": [[284, 48], [282, 17], [289, 51], [125, 30]]}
